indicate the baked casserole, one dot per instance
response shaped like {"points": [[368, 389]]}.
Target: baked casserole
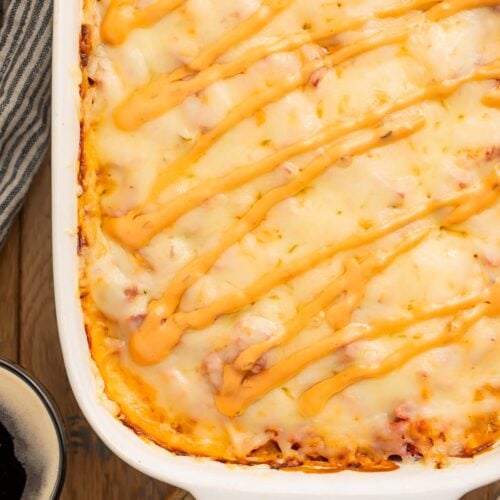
{"points": [[289, 226]]}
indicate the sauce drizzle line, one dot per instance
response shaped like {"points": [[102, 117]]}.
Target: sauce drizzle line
{"points": [[136, 229], [163, 327], [167, 91], [352, 283], [315, 398], [122, 17], [238, 392]]}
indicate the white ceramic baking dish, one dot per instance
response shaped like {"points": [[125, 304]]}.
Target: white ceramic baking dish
{"points": [[205, 479]]}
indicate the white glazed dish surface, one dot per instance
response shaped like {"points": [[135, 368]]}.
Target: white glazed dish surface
{"points": [[204, 478]]}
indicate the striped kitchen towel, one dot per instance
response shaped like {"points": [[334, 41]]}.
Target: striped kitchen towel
{"points": [[25, 55]]}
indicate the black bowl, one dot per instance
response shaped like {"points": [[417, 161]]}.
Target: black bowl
{"points": [[32, 446]]}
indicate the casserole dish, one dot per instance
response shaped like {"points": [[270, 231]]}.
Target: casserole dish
{"points": [[205, 479]]}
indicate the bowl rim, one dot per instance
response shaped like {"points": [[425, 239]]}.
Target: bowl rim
{"points": [[52, 410]]}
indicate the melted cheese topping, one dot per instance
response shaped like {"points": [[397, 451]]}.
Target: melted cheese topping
{"points": [[290, 230]]}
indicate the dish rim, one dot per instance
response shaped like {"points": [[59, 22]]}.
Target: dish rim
{"points": [[203, 477]]}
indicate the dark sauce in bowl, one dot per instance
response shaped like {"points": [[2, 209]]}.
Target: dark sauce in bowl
{"points": [[12, 472]]}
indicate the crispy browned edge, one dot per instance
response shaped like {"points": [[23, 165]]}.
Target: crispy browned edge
{"points": [[268, 455]]}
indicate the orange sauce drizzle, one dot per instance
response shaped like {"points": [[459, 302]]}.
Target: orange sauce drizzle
{"points": [[260, 99], [251, 105], [235, 374], [355, 278], [315, 398], [147, 225], [161, 330], [163, 326], [167, 91], [479, 199], [240, 391], [263, 15], [401, 8], [136, 229], [352, 284], [122, 17], [263, 98], [492, 98], [447, 9]]}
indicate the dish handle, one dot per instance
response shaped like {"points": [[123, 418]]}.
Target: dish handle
{"points": [[223, 494]]}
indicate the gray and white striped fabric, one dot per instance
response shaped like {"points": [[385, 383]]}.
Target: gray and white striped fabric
{"points": [[25, 55]]}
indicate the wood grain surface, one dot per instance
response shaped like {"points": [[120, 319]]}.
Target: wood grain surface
{"points": [[28, 335]]}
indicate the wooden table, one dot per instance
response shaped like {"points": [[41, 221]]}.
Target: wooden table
{"points": [[28, 335]]}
